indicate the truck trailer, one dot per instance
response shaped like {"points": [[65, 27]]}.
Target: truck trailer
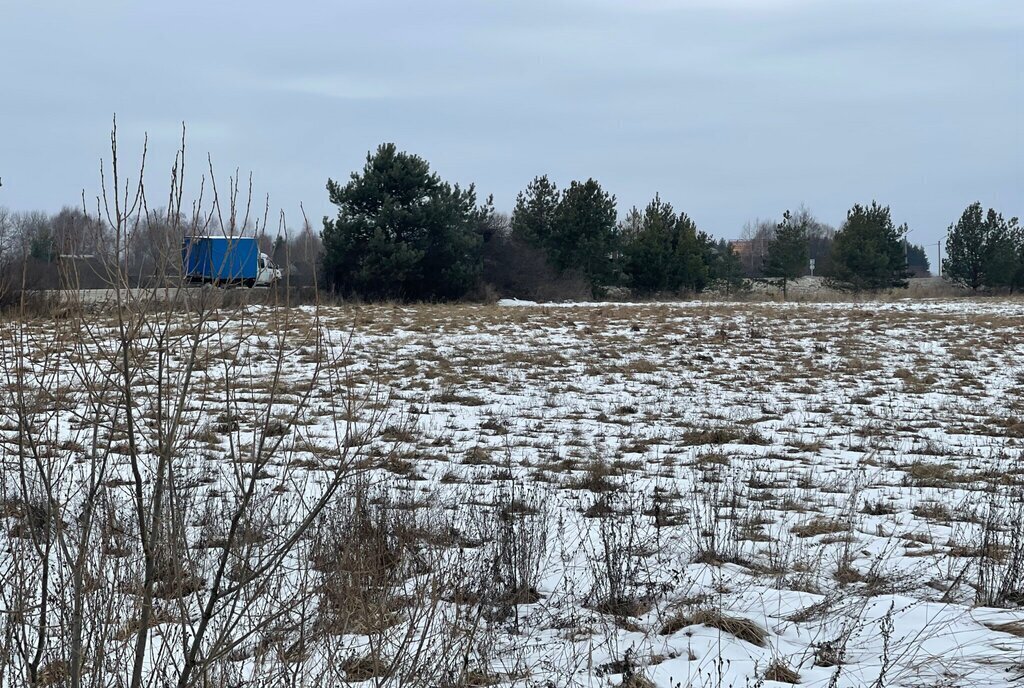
{"points": [[223, 260]]}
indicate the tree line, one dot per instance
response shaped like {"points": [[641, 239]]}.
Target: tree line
{"points": [[74, 248], [402, 232]]}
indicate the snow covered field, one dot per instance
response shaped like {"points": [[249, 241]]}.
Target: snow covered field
{"points": [[671, 495]]}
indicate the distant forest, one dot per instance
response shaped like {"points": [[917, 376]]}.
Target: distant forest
{"points": [[402, 232]]}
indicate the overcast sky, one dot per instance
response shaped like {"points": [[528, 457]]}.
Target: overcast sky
{"points": [[730, 109]]}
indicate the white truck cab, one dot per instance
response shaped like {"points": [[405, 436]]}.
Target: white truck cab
{"points": [[268, 272]]}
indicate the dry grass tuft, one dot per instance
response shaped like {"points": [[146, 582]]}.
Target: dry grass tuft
{"points": [[779, 671], [744, 629], [1012, 627], [922, 474], [363, 668], [820, 526], [710, 436]]}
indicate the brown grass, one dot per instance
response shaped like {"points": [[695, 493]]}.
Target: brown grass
{"points": [[1012, 627], [779, 671], [819, 526], [744, 629]]}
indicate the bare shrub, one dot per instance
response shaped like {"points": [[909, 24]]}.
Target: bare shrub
{"points": [[133, 553], [718, 503], [519, 551], [364, 546], [1000, 549], [618, 563]]}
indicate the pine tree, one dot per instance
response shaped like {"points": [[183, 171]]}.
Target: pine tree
{"points": [[584, 234], [725, 267], [401, 231], [966, 248], [868, 251], [533, 219], [1018, 233], [917, 261], [648, 247], [983, 250], [788, 251], [663, 251], [694, 255], [1001, 251]]}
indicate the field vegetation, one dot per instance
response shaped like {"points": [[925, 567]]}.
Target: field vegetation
{"points": [[200, 490], [680, 494]]}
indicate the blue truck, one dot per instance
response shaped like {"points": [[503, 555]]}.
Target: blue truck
{"points": [[223, 260]]}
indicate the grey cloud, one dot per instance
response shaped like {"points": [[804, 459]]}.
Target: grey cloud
{"points": [[731, 109]]}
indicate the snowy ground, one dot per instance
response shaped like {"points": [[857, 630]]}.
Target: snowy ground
{"points": [[711, 494]]}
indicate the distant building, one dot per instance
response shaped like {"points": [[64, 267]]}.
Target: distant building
{"points": [[751, 254], [744, 248]]}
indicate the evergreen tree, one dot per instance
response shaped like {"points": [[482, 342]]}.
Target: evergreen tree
{"points": [[583, 234], [1002, 251], [917, 261], [663, 251], [725, 266], [42, 246], [868, 251], [966, 248], [787, 251], [401, 231], [819, 240], [648, 247], [695, 253], [533, 219], [983, 250], [1018, 230]]}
